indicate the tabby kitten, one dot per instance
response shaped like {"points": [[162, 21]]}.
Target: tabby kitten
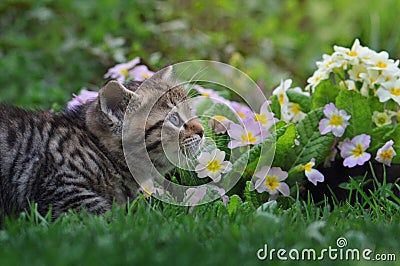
{"points": [[75, 159]]}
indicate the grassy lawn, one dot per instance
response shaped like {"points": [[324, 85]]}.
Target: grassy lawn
{"points": [[155, 234]]}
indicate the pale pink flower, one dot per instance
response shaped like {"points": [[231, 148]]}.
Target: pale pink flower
{"points": [[386, 153], [243, 136], [219, 123], [265, 117], [354, 152], [313, 175], [194, 195], [271, 181], [140, 73], [336, 121], [242, 111], [84, 96], [120, 72]]}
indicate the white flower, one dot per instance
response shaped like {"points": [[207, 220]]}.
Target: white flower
{"points": [[382, 119], [212, 165], [316, 78], [280, 91], [292, 113], [389, 90], [381, 61]]}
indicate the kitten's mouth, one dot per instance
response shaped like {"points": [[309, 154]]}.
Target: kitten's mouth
{"points": [[190, 147]]}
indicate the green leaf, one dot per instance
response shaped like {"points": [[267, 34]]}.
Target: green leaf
{"points": [[251, 195], [377, 137], [357, 106], [311, 143], [234, 202], [301, 99], [375, 105], [284, 144], [324, 93], [275, 106]]}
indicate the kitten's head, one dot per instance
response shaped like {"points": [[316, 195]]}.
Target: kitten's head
{"points": [[157, 114]]}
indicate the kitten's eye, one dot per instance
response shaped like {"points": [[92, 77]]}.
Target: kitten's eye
{"points": [[174, 119]]}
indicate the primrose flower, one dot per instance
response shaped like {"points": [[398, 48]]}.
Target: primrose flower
{"points": [[292, 113], [84, 96], [386, 153], [270, 180], [381, 119], [336, 121], [243, 112], [354, 152], [147, 187], [280, 91], [140, 73], [194, 195], [120, 72], [316, 78], [219, 123], [265, 117], [313, 175], [212, 165], [243, 136], [389, 90]]}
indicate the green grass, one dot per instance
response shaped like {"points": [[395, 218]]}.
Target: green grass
{"points": [[153, 233]]}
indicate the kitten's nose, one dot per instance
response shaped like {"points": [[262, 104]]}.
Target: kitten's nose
{"points": [[195, 127]]}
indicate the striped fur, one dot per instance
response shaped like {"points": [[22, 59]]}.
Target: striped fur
{"points": [[75, 159]]}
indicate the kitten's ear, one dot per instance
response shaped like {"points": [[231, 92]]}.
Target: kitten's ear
{"points": [[166, 73], [114, 99]]}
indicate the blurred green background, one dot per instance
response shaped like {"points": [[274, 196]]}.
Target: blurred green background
{"points": [[50, 49]]}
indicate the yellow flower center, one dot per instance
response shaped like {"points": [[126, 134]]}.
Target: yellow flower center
{"points": [[382, 119], [296, 109], [241, 114], [146, 75], [395, 91], [213, 166], [147, 191], [220, 118], [336, 120], [380, 64], [351, 53], [125, 72], [308, 167], [248, 138], [358, 151], [261, 118], [387, 155], [271, 182], [281, 98], [205, 94]]}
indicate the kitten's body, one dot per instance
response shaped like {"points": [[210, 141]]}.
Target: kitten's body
{"points": [[75, 159], [55, 160]]}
